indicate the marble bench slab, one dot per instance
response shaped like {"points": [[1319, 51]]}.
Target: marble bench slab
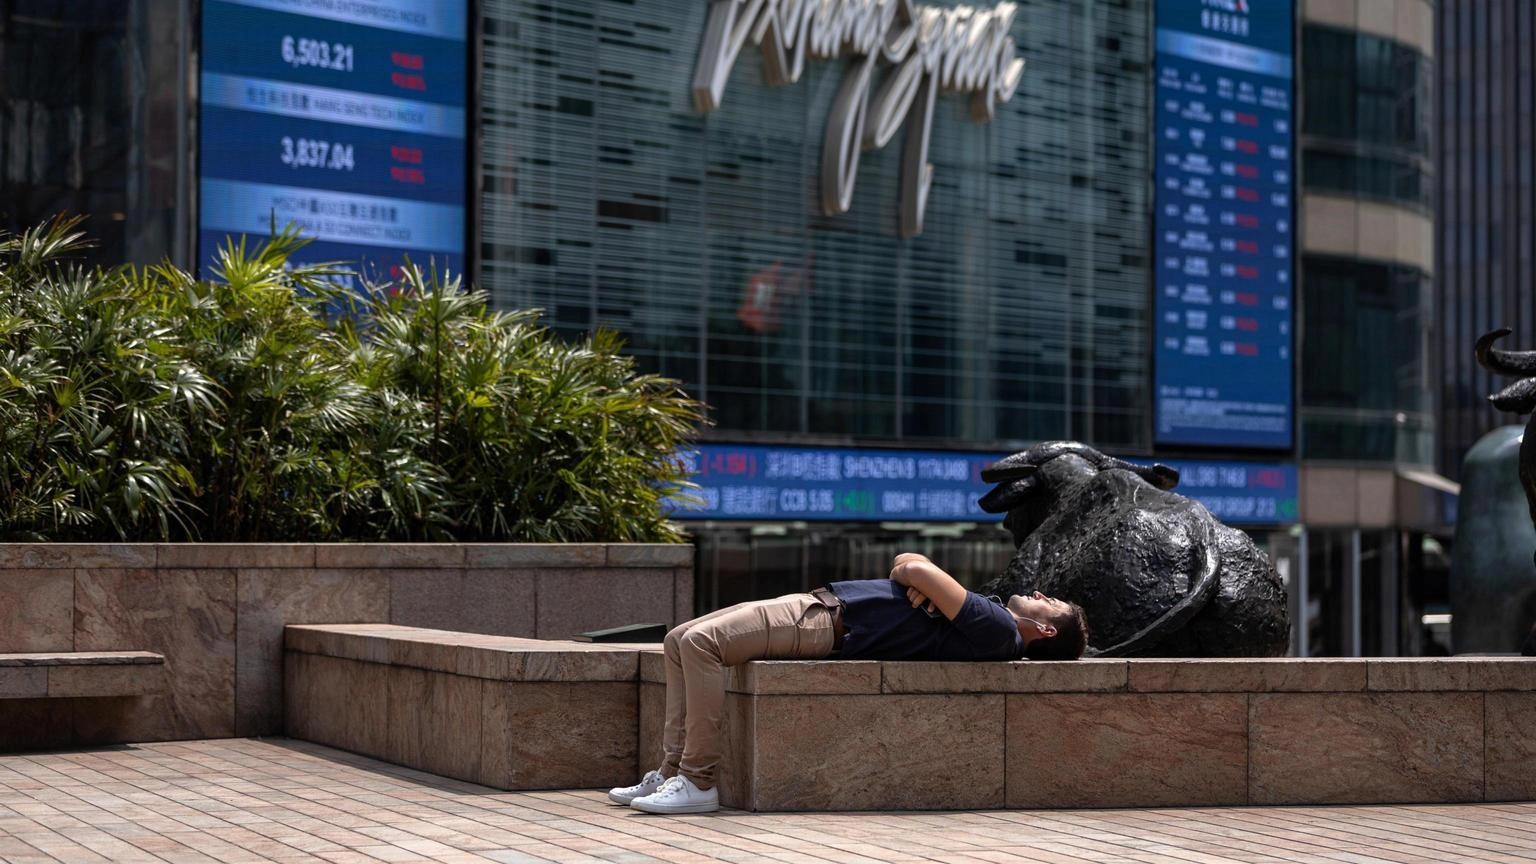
{"points": [[507, 712], [59, 675]]}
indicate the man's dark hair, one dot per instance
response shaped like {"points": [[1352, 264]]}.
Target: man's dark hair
{"points": [[1070, 641]]}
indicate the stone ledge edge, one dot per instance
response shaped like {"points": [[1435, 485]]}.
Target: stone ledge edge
{"points": [[374, 643], [393, 645], [302, 556]]}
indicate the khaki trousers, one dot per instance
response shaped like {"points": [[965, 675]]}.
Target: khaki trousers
{"points": [[792, 627]]}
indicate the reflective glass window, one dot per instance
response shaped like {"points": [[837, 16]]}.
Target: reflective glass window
{"points": [[1364, 379], [1367, 110], [63, 146], [1018, 314], [80, 81]]}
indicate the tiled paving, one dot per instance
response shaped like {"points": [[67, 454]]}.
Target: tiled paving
{"points": [[280, 800]]}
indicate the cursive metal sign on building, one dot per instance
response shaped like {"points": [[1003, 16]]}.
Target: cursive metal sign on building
{"points": [[960, 49]]}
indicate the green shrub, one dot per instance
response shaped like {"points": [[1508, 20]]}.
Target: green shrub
{"points": [[267, 404]]}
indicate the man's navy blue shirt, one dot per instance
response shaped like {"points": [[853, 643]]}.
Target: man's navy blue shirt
{"points": [[881, 624]]}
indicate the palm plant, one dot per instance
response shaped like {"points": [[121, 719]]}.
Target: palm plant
{"points": [[267, 404], [543, 439], [95, 399], [259, 331]]}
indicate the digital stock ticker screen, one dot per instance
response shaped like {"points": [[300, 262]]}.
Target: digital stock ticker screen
{"points": [[345, 119], [1225, 200], [826, 484]]}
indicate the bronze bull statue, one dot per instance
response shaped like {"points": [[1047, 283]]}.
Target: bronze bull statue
{"points": [[1154, 571], [1517, 398]]}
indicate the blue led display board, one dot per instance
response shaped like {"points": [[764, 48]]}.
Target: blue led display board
{"points": [[1240, 493], [346, 119], [1224, 218], [755, 483]]}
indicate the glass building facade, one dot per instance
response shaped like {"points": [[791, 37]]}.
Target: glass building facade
{"points": [[1366, 136], [1365, 388], [1487, 157], [1367, 128], [92, 120], [1019, 314], [1370, 546]]}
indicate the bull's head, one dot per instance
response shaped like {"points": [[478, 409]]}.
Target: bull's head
{"points": [[1517, 398], [1030, 482]]}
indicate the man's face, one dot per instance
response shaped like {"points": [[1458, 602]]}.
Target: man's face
{"points": [[1037, 606]]}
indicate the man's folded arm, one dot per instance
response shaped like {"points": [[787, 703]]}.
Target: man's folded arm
{"points": [[947, 595]]}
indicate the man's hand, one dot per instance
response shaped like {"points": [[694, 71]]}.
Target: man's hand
{"points": [[914, 572], [902, 559], [920, 600]]}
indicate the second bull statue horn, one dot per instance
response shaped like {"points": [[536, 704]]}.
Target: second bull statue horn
{"points": [[1155, 572]]}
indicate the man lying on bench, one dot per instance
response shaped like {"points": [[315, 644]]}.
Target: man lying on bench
{"points": [[919, 613]]}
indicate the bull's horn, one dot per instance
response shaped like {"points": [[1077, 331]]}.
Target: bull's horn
{"points": [[1517, 398], [1521, 363], [1159, 475], [1007, 495], [1004, 470]]}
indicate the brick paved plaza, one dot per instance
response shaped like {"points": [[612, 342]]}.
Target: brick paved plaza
{"points": [[280, 800]]}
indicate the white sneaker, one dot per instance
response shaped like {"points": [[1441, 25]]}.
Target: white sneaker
{"points": [[679, 795], [648, 784]]}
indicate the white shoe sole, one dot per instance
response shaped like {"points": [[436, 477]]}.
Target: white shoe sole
{"points": [[625, 799], [669, 809]]}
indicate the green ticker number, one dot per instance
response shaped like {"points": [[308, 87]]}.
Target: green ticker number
{"points": [[856, 501]]}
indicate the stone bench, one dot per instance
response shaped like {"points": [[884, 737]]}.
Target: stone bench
{"points": [[81, 674], [502, 711], [856, 735], [1119, 733]]}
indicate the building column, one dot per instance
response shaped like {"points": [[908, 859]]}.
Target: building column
{"points": [[1299, 623], [1352, 596]]}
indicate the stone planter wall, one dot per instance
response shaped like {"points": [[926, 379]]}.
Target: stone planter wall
{"points": [[505, 712], [1120, 733], [217, 611]]}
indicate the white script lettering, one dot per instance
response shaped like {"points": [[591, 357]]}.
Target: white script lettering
{"points": [[960, 50]]}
